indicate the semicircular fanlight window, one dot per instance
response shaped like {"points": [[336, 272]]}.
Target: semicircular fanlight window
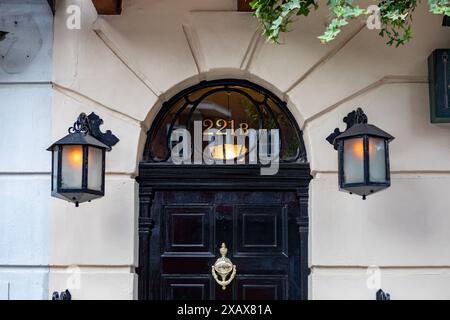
{"points": [[224, 107]]}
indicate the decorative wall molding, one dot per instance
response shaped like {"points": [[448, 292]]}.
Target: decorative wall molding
{"points": [[420, 269], [40, 83], [127, 62], [194, 46], [207, 46], [83, 99], [253, 47], [23, 173], [325, 58], [390, 79], [398, 174]]}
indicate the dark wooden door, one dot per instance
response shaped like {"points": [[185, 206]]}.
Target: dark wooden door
{"points": [[181, 231]]}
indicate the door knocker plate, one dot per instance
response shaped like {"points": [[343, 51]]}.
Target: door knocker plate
{"points": [[222, 268]]}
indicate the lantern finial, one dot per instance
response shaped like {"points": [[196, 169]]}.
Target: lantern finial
{"points": [[81, 125], [355, 117], [358, 117]]}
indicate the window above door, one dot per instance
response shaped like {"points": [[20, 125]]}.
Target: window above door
{"points": [[225, 106]]}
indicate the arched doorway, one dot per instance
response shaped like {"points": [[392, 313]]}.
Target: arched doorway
{"points": [[189, 208]]}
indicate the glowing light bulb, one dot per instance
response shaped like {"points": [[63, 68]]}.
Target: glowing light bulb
{"points": [[358, 149], [228, 151], [76, 156]]}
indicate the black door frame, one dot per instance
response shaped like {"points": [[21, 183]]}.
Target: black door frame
{"points": [[153, 177]]}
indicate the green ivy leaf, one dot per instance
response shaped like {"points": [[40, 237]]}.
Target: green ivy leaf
{"points": [[396, 16]]}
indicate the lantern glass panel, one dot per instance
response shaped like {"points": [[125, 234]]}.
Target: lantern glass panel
{"points": [[72, 167], [95, 169], [55, 169], [377, 160], [353, 160]]}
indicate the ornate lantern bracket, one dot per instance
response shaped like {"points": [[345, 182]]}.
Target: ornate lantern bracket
{"points": [[91, 125], [355, 117]]}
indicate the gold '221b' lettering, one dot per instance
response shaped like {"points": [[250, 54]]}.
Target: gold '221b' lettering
{"points": [[222, 124]]}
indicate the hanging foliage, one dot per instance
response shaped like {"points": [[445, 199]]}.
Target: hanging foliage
{"points": [[395, 16]]}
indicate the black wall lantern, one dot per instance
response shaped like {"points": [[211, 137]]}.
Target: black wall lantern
{"points": [[363, 151], [78, 161]]}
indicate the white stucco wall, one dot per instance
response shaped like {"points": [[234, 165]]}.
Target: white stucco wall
{"points": [[123, 67], [25, 126]]}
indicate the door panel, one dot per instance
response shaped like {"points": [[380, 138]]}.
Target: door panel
{"points": [[186, 287], [259, 228], [188, 228], [261, 288]]}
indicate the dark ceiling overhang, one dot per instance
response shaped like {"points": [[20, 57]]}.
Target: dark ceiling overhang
{"points": [[113, 7], [108, 7], [244, 5]]}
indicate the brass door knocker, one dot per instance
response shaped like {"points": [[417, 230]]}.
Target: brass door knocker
{"points": [[223, 267]]}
